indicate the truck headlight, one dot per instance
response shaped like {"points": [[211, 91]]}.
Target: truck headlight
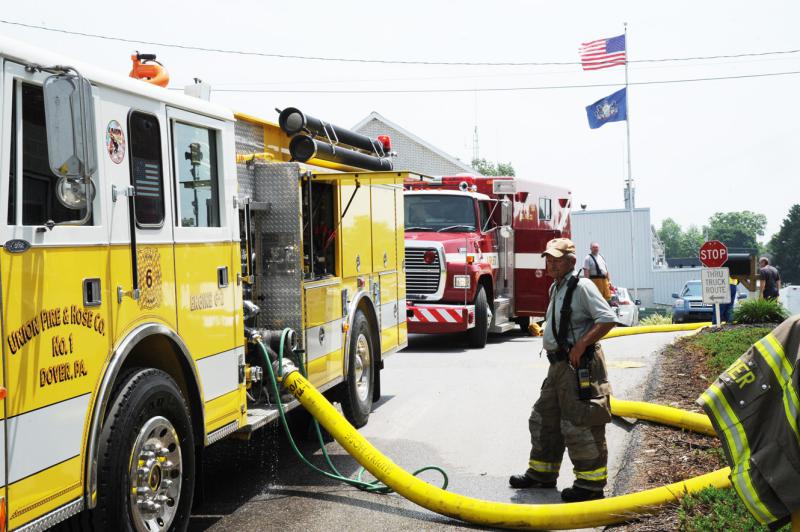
{"points": [[461, 281], [678, 303]]}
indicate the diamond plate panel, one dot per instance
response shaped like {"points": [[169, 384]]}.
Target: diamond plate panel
{"points": [[249, 139], [278, 246]]}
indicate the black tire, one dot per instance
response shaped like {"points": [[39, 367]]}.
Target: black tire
{"points": [[148, 414], [523, 322], [476, 337], [358, 387]]}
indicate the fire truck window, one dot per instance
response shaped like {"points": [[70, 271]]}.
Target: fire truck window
{"points": [[439, 212], [545, 208], [12, 175], [39, 202], [485, 211], [319, 230], [146, 169], [195, 153]]}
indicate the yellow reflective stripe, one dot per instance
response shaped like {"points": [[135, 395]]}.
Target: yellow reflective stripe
{"points": [[772, 353], [601, 473], [771, 340], [544, 467], [740, 452]]}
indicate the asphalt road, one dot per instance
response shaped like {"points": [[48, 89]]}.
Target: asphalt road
{"points": [[462, 409]]}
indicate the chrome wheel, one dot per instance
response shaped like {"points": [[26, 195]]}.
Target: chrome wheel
{"points": [[155, 476], [363, 366]]}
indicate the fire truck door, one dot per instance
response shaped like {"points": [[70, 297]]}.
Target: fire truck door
{"points": [[142, 164], [55, 304], [206, 242]]}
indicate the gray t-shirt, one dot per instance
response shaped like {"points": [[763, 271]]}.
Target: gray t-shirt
{"points": [[588, 308], [588, 263]]}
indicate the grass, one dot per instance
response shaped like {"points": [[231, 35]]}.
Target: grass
{"points": [[656, 319], [714, 509], [726, 346]]}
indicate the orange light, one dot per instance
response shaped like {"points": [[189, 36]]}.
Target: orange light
{"points": [[3, 392], [470, 259], [2, 514]]}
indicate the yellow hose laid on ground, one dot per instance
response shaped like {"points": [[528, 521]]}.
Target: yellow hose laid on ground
{"points": [[666, 415], [487, 513], [641, 329]]}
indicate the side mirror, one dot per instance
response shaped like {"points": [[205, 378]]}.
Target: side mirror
{"points": [[69, 117], [675, 295], [638, 302]]}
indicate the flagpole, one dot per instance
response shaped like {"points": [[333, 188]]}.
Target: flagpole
{"points": [[629, 181]]}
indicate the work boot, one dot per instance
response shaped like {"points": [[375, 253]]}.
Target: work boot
{"points": [[524, 481], [578, 494]]}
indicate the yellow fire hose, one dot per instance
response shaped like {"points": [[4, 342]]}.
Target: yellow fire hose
{"points": [[641, 329], [506, 515]]}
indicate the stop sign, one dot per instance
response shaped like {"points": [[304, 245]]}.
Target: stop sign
{"points": [[713, 254]]}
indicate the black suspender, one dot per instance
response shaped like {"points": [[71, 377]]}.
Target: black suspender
{"points": [[566, 313]]}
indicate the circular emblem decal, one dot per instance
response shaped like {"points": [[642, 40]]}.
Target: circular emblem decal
{"points": [[321, 335], [115, 142], [149, 278], [539, 274]]}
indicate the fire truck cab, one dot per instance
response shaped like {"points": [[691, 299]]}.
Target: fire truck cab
{"points": [[473, 246], [141, 230]]}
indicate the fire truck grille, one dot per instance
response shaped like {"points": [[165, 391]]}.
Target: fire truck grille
{"points": [[421, 278]]}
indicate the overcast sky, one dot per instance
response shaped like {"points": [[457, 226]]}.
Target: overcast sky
{"points": [[696, 148]]}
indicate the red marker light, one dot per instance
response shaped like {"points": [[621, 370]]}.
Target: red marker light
{"points": [[386, 140], [429, 257]]}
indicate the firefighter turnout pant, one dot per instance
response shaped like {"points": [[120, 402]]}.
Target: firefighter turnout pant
{"points": [[560, 419]]}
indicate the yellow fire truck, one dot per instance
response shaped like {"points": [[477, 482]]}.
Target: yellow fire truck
{"points": [[144, 232]]}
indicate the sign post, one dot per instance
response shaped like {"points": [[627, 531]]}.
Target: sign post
{"points": [[715, 279]]}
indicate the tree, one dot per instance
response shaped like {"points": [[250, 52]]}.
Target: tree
{"points": [[678, 243], [670, 235], [488, 168], [785, 246], [737, 230]]}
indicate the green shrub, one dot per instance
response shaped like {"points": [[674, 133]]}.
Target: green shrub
{"points": [[656, 319], [760, 311]]}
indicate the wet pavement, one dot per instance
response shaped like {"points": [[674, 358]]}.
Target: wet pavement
{"points": [[462, 409]]}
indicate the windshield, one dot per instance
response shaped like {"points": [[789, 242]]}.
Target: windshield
{"points": [[439, 212], [692, 289]]}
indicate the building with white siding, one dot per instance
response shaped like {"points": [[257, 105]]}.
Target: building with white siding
{"points": [[413, 153], [639, 266]]}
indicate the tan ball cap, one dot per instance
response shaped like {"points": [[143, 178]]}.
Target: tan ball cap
{"points": [[558, 247]]}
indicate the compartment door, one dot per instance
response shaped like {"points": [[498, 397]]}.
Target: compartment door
{"points": [[400, 245], [354, 204], [388, 309], [384, 248]]}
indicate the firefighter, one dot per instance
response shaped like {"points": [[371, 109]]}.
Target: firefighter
{"points": [[595, 262], [754, 407], [573, 406]]}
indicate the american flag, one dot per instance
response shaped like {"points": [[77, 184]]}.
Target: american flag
{"points": [[603, 53]]}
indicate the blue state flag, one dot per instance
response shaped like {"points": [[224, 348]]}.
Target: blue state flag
{"points": [[613, 108]]}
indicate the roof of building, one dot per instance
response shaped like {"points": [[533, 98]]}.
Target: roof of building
{"points": [[377, 116]]}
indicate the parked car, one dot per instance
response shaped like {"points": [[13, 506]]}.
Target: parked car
{"points": [[689, 306], [627, 309]]}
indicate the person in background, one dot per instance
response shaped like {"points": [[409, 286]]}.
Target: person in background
{"points": [[726, 309], [596, 269], [770, 279]]}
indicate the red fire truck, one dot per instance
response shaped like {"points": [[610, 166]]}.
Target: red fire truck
{"points": [[473, 248]]}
